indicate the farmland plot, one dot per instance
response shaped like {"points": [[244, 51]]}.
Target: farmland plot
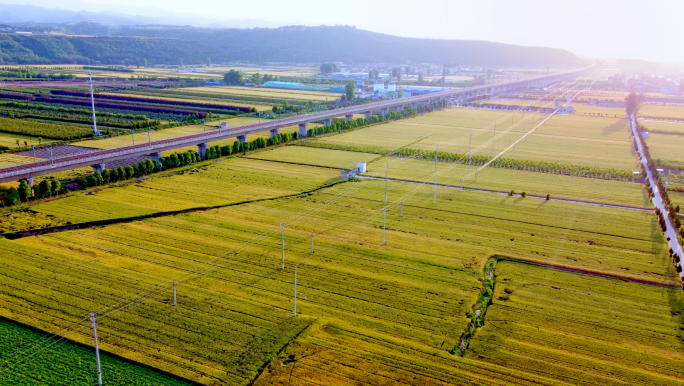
{"points": [[221, 183], [375, 305], [70, 365], [142, 136], [562, 327]]}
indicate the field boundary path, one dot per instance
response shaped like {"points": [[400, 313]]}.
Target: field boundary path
{"points": [[670, 231]]}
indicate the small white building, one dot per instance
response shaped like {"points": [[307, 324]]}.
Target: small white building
{"points": [[224, 125], [361, 167]]}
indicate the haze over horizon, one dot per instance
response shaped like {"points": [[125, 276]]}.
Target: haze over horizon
{"points": [[648, 33]]}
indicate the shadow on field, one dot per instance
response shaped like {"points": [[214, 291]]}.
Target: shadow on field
{"points": [[615, 127]]}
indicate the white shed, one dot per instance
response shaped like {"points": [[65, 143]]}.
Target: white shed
{"points": [[361, 167]]}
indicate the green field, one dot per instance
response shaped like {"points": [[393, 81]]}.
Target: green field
{"points": [[67, 364], [268, 93]]}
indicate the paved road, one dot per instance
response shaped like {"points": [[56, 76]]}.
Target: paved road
{"points": [[657, 199]]}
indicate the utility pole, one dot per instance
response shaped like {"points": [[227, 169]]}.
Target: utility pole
{"points": [[133, 136], [295, 292], [312, 243], [174, 293], [434, 198], [93, 321], [204, 125], [401, 206], [436, 153], [384, 221], [34, 153], [386, 179], [282, 243], [149, 138], [470, 154], [493, 139], [92, 103]]}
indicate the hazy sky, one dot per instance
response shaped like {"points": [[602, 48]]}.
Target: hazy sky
{"points": [[651, 30]]}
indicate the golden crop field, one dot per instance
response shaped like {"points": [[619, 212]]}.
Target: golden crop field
{"points": [[267, 92], [220, 183], [362, 297], [316, 157], [9, 159], [10, 140], [388, 273], [577, 329], [666, 148], [661, 111], [666, 127], [570, 139]]}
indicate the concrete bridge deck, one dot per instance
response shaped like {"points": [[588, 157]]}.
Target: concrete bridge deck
{"points": [[98, 159]]}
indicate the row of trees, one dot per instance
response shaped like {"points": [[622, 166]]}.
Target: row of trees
{"points": [[522, 164], [237, 78]]}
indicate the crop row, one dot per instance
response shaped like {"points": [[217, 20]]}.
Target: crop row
{"points": [[55, 113], [221, 97], [43, 129], [100, 96], [123, 105], [521, 164]]}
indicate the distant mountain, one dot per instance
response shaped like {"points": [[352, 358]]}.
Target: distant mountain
{"points": [[295, 44]]}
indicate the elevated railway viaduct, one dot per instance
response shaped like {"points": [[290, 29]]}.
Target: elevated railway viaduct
{"points": [[99, 159]]}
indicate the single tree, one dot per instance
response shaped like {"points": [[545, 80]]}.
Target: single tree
{"points": [[56, 187], [44, 189], [98, 178], [233, 77], [256, 79], [25, 191], [329, 68], [12, 197], [349, 91]]}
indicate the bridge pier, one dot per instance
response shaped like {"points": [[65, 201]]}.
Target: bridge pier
{"points": [[368, 114], [327, 122], [303, 132], [384, 112], [242, 138], [348, 117], [29, 181], [99, 167], [202, 149], [156, 158], [274, 132]]}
